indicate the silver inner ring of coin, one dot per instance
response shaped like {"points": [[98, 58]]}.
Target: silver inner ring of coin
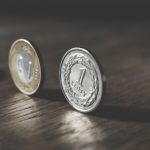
{"points": [[25, 67]]}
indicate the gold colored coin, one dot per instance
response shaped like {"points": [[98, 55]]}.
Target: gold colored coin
{"points": [[25, 67]]}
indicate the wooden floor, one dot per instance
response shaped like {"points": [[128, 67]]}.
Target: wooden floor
{"points": [[47, 121]]}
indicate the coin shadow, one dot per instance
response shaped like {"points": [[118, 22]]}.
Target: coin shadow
{"points": [[2, 75], [51, 94], [112, 112], [128, 114]]}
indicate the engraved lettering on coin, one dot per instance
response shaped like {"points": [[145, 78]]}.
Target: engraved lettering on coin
{"points": [[82, 95]]}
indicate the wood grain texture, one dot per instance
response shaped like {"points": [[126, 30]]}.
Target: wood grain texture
{"points": [[47, 121]]}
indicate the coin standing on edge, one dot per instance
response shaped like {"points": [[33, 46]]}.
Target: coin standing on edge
{"points": [[26, 67], [82, 79]]}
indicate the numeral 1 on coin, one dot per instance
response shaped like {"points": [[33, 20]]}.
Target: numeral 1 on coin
{"points": [[82, 74]]}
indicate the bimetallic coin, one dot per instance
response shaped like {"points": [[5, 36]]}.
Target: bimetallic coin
{"points": [[82, 80], [25, 67]]}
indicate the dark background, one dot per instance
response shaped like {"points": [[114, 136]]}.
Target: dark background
{"points": [[77, 9]]}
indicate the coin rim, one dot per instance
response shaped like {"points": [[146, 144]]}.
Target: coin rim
{"points": [[41, 81], [103, 78]]}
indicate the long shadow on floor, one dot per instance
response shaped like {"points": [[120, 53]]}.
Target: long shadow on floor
{"points": [[129, 114], [112, 112]]}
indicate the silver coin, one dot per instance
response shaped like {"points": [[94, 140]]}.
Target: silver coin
{"points": [[81, 79]]}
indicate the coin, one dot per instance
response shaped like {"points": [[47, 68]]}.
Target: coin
{"points": [[26, 66], [82, 79]]}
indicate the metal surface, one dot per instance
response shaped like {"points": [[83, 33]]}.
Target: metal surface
{"points": [[81, 79], [25, 67]]}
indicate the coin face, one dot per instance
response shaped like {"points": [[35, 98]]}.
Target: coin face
{"points": [[81, 79], [25, 67]]}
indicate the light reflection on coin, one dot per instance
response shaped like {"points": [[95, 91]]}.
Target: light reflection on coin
{"points": [[25, 67], [82, 80]]}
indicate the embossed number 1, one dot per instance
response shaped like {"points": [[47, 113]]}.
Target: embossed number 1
{"points": [[82, 74]]}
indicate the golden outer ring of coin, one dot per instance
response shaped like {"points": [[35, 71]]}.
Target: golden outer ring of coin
{"points": [[18, 46]]}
